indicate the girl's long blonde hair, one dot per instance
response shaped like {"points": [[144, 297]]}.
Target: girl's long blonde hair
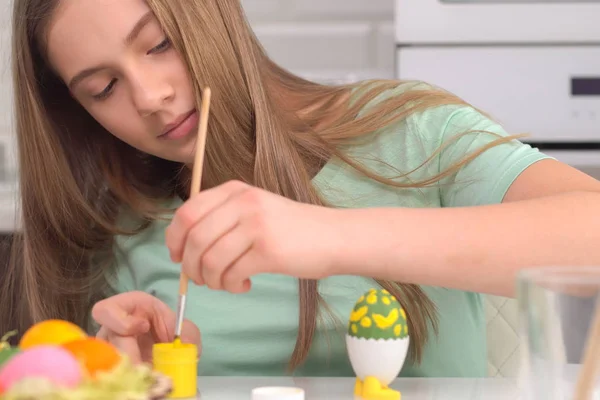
{"points": [[76, 178]]}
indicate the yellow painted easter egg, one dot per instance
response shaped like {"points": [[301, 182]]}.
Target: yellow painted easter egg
{"points": [[51, 332]]}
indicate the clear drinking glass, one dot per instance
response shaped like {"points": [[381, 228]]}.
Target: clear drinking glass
{"points": [[556, 308]]}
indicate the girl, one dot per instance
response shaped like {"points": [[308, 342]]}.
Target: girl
{"points": [[311, 195]]}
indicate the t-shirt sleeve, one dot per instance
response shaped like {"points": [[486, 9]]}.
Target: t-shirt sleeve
{"points": [[462, 131], [123, 278]]}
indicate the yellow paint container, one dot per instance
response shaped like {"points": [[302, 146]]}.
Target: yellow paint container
{"points": [[178, 361]]}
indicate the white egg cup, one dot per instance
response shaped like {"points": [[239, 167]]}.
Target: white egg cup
{"points": [[378, 360]]}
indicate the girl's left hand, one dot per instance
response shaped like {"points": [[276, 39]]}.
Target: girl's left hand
{"points": [[225, 235]]}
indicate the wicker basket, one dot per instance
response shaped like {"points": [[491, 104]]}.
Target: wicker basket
{"points": [[161, 388]]}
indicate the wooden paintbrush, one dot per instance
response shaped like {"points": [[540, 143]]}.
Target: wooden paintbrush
{"points": [[195, 188]]}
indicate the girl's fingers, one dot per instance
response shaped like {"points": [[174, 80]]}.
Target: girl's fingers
{"points": [[204, 235], [126, 344], [112, 314], [191, 334], [102, 333], [222, 255], [139, 320], [213, 226], [236, 279], [193, 210]]}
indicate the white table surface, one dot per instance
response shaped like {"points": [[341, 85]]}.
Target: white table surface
{"points": [[234, 388]]}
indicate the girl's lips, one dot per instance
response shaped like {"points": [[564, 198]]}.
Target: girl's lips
{"points": [[183, 128]]}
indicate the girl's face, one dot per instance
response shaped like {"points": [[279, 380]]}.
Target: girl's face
{"points": [[119, 65]]}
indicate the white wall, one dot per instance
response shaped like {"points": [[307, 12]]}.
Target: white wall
{"points": [[327, 39], [7, 143]]}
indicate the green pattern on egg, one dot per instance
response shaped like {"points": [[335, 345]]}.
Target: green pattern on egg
{"points": [[378, 315]]}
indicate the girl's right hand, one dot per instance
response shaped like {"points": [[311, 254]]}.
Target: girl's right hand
{"points": [[134, 321]]}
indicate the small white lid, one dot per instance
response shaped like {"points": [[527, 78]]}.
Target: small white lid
{"points": [[277, 393]]}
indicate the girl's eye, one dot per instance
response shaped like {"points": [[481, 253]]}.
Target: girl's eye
{"points": [[106, 92], [162, 46]]}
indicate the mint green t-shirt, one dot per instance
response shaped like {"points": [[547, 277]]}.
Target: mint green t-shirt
{"points": [[255, 333]]}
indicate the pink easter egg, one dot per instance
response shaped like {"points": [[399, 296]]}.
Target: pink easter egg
{"points": [[50, 362]]}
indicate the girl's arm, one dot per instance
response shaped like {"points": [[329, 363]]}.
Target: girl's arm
{"points": [[550, 216]]}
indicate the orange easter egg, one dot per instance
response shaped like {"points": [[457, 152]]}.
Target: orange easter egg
{"points": [[96, 355]]}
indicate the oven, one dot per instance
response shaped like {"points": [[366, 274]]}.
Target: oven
{"points": [[533, 65]]}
